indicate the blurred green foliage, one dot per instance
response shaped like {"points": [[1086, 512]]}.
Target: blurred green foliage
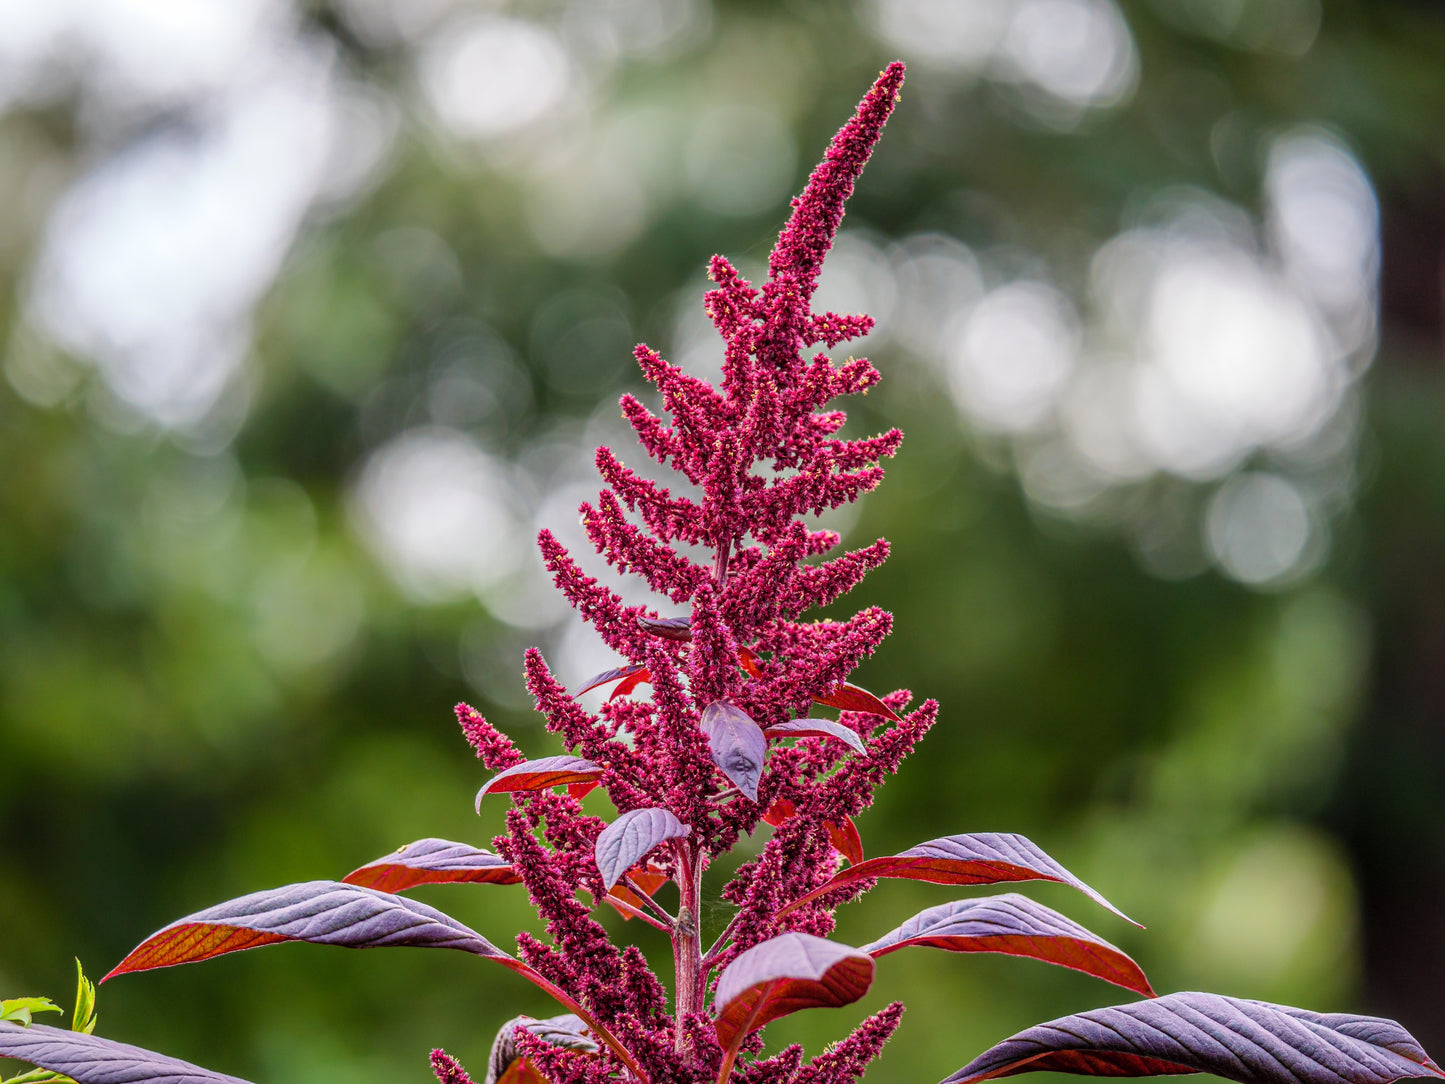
{"points": [[209, 683]]}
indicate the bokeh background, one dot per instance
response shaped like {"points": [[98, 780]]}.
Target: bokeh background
{"points": [[312, 314]]}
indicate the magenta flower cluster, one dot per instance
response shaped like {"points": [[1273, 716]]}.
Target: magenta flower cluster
{"points": [[760, 453], [726, 739]]}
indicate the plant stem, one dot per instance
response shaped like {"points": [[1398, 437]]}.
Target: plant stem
{"points": [[687, 939]]}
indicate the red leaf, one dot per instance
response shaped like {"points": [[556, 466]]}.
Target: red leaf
{"points": [[540, 775], [628, 839], [1017, 926], [89, 1059], [635, 675], [627, 902], [817, 728], [852, 698], [780, 811], [669, 628], [845, 839], [749, 661], [649, 880], [1252, 1042], [978, 858], [522, 1071], [321, 912], [433, 861], [580, 790], [627, 684], [738, 746], [785, 974]]}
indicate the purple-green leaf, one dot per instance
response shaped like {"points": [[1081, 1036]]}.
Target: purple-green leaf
{"points": [[737, 744], [782, 975], [817, 728], [89, 1059], [433, 861], [669, 628], [1017, 926], [624, 842], [976, 858], [1252, 1042], [321, 912], [567, 1031], [541, 775]]}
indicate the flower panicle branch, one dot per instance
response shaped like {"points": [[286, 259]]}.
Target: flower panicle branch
{"points": [[762, 452]]}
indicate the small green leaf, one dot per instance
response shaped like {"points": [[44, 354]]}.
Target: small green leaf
{"points": [[84, 1018], [39, 1076], [20, 1009]]}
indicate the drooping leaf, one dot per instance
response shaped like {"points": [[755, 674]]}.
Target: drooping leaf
{"points": [[628, 839], [433, 861], [541, 774], [321, 912], [20, 1009], [845, 839], [782, 975], [581, 790], [738, 745], [506, 1063], [853, 698], [631, 676], [1252, 1042], [977, 858], [90, 1059], [1017, 926], [669, 628], [817, 728]]}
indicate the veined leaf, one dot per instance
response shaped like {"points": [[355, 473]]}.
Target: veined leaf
{"points": [[1252, 1042], [321, 912], [541, 775], [782, 975], [738, 745], [631, 676], [977, 858], [628, 839], [506, 1065], [817, 728], [90, 1059], [433, 861], [333, 913], [1017, 926]]}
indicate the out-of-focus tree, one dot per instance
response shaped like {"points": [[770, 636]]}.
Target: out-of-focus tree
{"points": [[314, 314]]}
